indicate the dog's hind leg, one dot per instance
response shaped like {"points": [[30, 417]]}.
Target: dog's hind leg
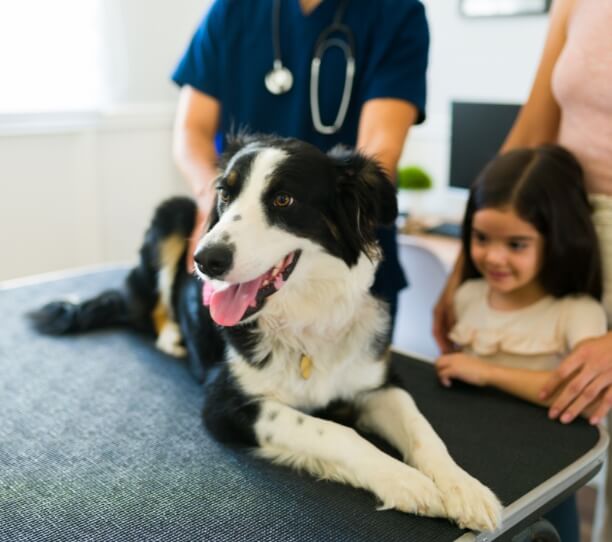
{"points": [[392, 414], [146, 300], [332, 451], [171, 255], [162, 259]]}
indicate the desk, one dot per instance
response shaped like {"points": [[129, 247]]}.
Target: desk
{"points": [[446, 249], [101, 439], [427, 260]]}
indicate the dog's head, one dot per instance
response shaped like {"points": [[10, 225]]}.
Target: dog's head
{"points": [[285, 209]]}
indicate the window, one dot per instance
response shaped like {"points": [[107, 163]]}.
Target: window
{"points": [[50, 55]]}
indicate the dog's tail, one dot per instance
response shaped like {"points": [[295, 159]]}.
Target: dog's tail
{"points": [[146, 300], [62, 317]]}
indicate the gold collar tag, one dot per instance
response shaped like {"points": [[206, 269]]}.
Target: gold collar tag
{"points": [[305, 366]]}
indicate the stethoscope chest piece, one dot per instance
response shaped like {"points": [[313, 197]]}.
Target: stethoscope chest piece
{"points": [[279, 79]]}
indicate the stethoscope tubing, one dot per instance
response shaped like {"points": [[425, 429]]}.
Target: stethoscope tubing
{"points": [[280, 80]]}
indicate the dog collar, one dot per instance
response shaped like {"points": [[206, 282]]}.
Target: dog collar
{"points": [[305, 366]]}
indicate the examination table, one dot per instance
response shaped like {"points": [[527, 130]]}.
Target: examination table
{"points": [[101, 440]]}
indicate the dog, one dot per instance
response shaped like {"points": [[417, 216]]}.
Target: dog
{"points": [[281, 327]]}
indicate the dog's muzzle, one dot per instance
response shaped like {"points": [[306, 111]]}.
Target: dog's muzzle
{"points": [[214, 260]]}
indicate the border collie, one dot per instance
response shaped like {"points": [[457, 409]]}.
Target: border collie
{"points": [[281, 326]]}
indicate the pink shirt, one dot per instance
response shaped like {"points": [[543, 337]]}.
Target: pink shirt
{"points": [[582, 85]]}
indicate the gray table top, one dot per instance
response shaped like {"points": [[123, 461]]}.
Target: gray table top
{"points": [[101, 439]]}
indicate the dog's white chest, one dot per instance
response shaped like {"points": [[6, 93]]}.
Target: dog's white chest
{"points": [[308, 381]]}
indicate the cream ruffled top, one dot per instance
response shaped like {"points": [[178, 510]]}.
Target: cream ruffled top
{"points": [[534, 337]]}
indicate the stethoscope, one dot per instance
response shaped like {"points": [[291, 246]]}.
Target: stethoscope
{"points": [[279, 79]]}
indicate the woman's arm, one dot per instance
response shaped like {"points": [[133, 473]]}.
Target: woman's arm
{"points": [[538, 120]]}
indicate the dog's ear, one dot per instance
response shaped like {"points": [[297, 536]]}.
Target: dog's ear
{"points": [[365, 195]]}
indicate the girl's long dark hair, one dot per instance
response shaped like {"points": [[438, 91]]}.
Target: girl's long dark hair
{"points": [[545, 187]]}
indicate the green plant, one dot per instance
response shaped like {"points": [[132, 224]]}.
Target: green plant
{"points": [[413, 178]]}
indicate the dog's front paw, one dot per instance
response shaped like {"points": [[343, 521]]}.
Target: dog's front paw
{"points": [[468, 502], [404, 488]]}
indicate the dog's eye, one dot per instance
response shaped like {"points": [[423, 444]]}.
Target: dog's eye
{"points": [[224, 196], [282, 200]]}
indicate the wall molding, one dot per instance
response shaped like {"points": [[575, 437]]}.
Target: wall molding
{"points": [[126, 117]]}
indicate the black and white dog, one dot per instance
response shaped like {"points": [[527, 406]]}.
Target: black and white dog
{"points": [[284, 330]]}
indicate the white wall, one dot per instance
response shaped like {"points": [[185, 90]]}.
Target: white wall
{"points": [[82, 193], [484, 59], [144, 40], [79, 190]]}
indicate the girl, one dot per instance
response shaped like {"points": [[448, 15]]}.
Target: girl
{"points": [[532, 279]]}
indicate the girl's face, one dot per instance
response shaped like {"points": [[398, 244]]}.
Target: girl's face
{"points": [[507, 251]]}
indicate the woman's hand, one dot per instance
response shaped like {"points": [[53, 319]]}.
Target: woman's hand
{"points": [[463, 367], [583, 382]]}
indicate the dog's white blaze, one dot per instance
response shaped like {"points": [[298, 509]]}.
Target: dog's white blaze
{"points": [[258, 246]]}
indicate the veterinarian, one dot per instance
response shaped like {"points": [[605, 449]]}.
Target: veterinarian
{"points": [[562, 108], [328, 72]]}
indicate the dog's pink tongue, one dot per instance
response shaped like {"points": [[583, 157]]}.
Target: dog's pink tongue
{"points": [[227, 306]]}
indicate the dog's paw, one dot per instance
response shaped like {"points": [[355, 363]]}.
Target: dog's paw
{"points": [[468, 502], [169, 340], [406, 489]]}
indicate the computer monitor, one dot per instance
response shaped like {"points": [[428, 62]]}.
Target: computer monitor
{"points": [[477, 132]]}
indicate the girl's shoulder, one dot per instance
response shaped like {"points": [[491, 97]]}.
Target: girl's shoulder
{"points": [[572, 308], [581, 317], [473, 291], [580, 302]]}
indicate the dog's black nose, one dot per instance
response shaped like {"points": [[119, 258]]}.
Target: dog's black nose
{"points": [[214, 260]]}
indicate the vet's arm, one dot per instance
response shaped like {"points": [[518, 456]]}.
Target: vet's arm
{"points": [[195, 126], [538, 120], [383, 127]]}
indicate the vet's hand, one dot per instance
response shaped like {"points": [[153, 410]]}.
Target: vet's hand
{"points": [[196, 235], [585, 380], [463, 367]]}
